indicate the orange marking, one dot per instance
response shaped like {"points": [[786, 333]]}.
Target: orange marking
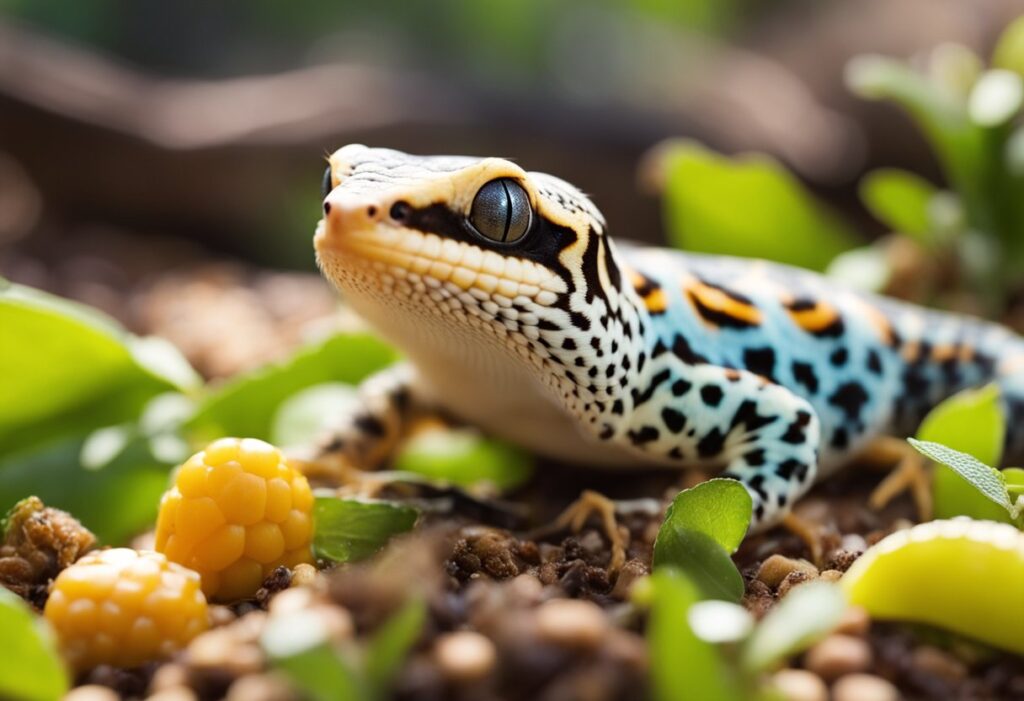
{"points": [[656, 302], [944, 352], [911, 351], [650, 292], [966, 354], [718, 307], [881, 323], [813, 318]]}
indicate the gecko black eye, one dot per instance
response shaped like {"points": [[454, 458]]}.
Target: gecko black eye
{"points": [[327, 185], [501, 211]]}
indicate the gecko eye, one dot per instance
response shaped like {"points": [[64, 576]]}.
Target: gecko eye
{"points": [[327, 185], [501, 211]]}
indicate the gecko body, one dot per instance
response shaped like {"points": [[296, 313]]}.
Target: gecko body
{"points": [[518, 313]]}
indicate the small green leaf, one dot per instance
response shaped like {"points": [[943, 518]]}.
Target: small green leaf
{"points": [[299, 646], [719, 508], [683, 667], [30, 669], [899, 199], [996, 98], [246, 406], [970, 422], [465, 458], [987, 480], [703, 560], [805, 614], [302, 418], [391, 643], [865, 268], [353, 529], [1009, 51], [778, 220]]}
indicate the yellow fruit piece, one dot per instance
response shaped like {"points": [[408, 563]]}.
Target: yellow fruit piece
{"points": [[963, 575], [124, 608], [237, 511]]}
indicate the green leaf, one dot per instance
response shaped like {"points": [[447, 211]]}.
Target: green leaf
{"points": [[1009, 51], [805, 615], [987, 480], [749, 206], [116, 498], [465, 458], [30, 669], [683, 667], [353, 529], [68, 369], [719, 508], [899, 199], [391, 643], [996, 98], [971, 422], [247, 406], [298, 645], [703, 560], [304, 416], [865, 268]]}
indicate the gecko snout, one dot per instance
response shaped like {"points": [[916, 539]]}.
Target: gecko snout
{"points": [[351, 212]]}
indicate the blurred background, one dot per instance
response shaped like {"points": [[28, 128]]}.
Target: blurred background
{"points": [[161, 160]]}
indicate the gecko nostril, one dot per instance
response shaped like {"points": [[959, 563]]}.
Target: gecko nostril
{"points": [[327, 207], [372, 210]]}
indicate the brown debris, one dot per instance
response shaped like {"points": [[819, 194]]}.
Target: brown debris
{"points": [[38, 543]]}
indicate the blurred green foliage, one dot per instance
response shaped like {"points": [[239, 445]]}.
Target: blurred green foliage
{"points": [[30, 669]]}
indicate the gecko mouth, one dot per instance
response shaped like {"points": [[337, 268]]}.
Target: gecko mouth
{"points": [[403, 253]]}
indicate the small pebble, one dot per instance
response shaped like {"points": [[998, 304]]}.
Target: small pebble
{"points": [[572, 623], [92, 692], [169, 676], [464, 656], [175, 693], [794, 579], [799, 685], [777, 567], [837, 655], [864, 687], [854, 621], [221, 649], [336, 620], [631, 572], [938, 663], [260, 687], [220, 616], [830, 575], [304, 575], [290, 601]]}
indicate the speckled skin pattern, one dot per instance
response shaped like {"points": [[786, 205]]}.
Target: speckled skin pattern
{"points": [[618, 356]]}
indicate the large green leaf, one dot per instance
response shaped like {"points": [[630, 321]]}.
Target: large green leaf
{"points": [[67, 369], [116, 497], [30, 669], [683, 667], [464, 458], [247, 406], [749, 206]]}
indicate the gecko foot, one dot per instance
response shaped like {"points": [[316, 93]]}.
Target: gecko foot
{"points": [[909, 472], [588, 504]]}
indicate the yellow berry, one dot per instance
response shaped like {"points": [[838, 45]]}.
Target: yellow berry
{"points": [[237, 511], [124, 608]]}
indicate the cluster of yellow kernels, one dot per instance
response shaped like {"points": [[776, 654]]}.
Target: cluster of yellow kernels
{"points": [[123, 607], [236, 512]]}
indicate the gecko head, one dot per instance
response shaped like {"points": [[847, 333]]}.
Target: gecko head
{"points": [[473, 244]]}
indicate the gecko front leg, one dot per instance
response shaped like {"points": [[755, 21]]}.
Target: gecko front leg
{"points": [[704, 415], [366, 434]]}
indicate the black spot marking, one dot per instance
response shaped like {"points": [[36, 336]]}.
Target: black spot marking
{"points": [[674, 420], [681, 387], [568, 344], [850, 398], [682, 350], [711, 444], [839, 357], [754, 457], [617, 407], [656, 381], [874, 362], [805, 375], [746, 414], [760, 361], [840, 439], [646, 434], [791, 468], [711, 394]]}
